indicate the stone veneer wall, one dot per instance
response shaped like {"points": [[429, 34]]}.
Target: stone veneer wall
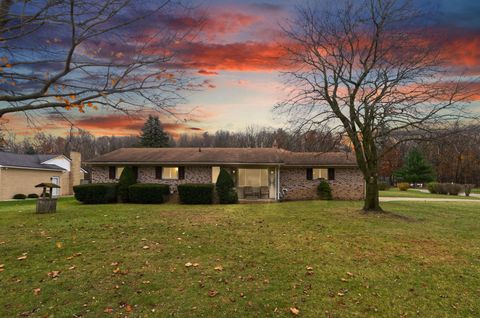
{"points": [[348, 184], [193, 174]]}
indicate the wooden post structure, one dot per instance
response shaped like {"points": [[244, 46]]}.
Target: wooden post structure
{"points": [[47, 204]]}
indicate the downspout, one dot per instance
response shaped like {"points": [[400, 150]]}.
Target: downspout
{"points": [[278, 183]]}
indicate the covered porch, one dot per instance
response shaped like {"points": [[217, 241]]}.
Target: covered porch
{"points": [[256, 183]]}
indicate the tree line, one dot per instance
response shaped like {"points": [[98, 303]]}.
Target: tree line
{"points": [[454, 157]]}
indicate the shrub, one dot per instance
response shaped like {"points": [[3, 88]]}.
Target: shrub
{"points": [[127, 178], [148, 193], [226, 188], [32, 196], [433, 187], [383, 186], [442, 188], [468, 189], [20, 196], [96, 193], [403, 186], [453, 188], [196, 193], [324, 191]]}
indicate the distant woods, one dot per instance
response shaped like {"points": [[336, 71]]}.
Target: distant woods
{"points": [[454, 158]]}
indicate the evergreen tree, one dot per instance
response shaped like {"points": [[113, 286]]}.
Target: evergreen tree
{"points": [[225, 188], [152, 133], [127, 178], [415, 169]]}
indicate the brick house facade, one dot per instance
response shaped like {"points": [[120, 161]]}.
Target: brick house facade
{"points": [[259, 173]]}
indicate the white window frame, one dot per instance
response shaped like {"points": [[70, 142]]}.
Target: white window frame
{"points": [[242, 183], [169, 176], [320, 173], [215, 173]]}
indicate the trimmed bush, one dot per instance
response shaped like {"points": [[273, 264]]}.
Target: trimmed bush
{"points": [[324, 191], [468, 189], [96, 193], [32, 196], [148, 193], [127, 178], [383, 186], [226, 188], [19, 196], [433, 187], [403, 186], [445, 188], [191, 193], [454, 188]]}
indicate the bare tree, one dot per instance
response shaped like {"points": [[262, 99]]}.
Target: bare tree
{"points": [[65, 54], [369, 70]]}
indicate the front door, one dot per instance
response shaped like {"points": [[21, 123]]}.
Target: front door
{"points": [[56, 191]]}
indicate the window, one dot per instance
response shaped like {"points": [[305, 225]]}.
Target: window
{"points": [[215, 173], [118, 172], [252, 177], [320, 173], [170, 173]]}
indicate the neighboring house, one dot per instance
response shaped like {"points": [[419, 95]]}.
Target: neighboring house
{"points": [[259, 173], [19, 173]]}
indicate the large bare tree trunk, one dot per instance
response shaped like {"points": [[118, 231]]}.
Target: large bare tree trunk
{"points": [[372, 202]]}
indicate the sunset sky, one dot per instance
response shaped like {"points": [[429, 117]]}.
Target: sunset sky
{"points": [[236, 56]]}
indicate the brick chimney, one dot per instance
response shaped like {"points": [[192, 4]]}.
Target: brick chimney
{"points": [[75, 170]]}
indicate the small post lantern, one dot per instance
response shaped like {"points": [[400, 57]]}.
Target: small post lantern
{"points": [[46, 203]]}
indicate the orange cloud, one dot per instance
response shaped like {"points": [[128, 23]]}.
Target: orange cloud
{"points": [[207, 73], [119, 124], [241, 56]]}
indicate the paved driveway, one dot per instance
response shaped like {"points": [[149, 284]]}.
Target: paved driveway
{"points": [[388, 199]]}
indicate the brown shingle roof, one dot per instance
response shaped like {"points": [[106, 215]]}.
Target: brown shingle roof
{"points": [[267, 156]]}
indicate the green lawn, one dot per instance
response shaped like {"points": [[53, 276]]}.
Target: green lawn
{"points": [[476, 190], [411, 193], [257, 260]]}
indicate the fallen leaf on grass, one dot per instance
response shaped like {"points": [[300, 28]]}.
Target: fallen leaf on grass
{"points": [[343, 279], [2, 242], [350, 274], [2, 269], [53, 274], [128, 308], [108, 310], [309, 268], [188, 264], [114, 264], [219, 268], [36, 291], [146, 247], [74, 255], [21, 258], [212, 293], [59, 244], [71, 267], [294, 311], [340, 294]]}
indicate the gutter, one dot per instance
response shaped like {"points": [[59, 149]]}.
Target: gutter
{"points": [[196, 163], [30, 168]]}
